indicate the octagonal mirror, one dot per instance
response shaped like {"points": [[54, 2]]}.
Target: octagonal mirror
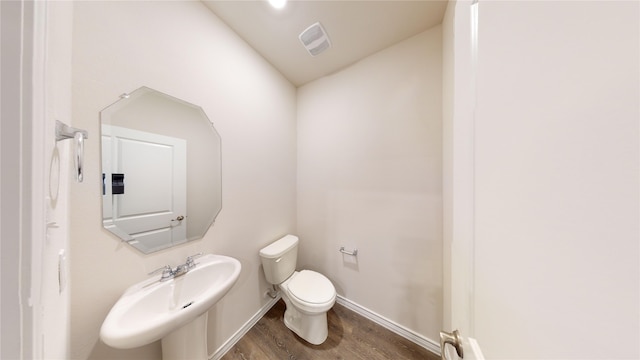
{"points": [[161, 176]]}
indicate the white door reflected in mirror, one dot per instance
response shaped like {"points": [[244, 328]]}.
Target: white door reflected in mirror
{"points": [[149, 192]]}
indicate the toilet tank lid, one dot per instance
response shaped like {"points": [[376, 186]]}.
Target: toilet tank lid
{"points": [[279, 247]]}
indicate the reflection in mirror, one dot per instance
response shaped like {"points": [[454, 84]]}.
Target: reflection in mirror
{"points": [[161, 180]]}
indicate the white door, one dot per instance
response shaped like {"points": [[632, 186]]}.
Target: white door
{"points": [[459, 34], [555, 173], [542, 207], [150, 204]]}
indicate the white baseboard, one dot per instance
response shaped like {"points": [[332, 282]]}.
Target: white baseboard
{"points": [[418, 339], [222, 350]]}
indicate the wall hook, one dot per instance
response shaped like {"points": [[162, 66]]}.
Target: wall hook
{"points": [[64, 131]]}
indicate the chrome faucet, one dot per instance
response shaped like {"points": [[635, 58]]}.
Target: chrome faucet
{"points": [[190, 263], [180, 270], [169, 273]]}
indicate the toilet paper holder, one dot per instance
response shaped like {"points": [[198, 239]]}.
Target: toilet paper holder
{"points": [[354, 252]]}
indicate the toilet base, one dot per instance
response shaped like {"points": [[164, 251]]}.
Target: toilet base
{"points": [[311, 327]]}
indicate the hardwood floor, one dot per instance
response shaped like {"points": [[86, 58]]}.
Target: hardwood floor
{"points": [[351, 337]]}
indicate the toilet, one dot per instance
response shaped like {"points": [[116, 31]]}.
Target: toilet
{"points": [[308, 295]]}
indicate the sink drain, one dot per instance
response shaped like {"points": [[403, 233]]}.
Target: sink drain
{"points": [[187, 305]]}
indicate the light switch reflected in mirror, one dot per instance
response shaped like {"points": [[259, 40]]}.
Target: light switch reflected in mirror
{"points": [[161, 170]]}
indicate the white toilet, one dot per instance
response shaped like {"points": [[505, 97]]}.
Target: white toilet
{"points": [[308, 295]]}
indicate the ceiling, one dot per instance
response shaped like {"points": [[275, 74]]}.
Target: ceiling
{"points": [[356, 29]]}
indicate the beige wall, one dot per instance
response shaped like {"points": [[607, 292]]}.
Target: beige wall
{"points": [[556, 179], [369, 177], [182, 49]]}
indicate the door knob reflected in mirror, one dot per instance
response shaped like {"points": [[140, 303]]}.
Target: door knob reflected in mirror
{"points": [[177, 221], [453, 339]]}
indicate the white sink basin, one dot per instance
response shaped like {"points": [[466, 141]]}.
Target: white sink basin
{"points": [[151, 310]]}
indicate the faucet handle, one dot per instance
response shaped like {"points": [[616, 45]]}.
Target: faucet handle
{"points": [[190, 263], [167, 272]]}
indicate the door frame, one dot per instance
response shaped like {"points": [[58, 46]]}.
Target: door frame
{"points": [[22, 212]]}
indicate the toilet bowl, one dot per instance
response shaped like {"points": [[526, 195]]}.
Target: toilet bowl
{"points": [[308, 295]]}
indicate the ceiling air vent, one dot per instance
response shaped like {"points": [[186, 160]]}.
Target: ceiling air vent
{"points": [[315, 39]]}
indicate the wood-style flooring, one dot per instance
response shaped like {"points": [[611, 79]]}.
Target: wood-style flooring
{"points": [[351, 337]]}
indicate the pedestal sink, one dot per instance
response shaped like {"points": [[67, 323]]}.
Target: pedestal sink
{"points": [[174, 311]]}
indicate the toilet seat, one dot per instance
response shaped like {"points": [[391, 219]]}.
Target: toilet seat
{"points": [[311, 291], [311, 287]]}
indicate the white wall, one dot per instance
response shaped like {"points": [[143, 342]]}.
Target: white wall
{"points": [[557, 174], [369, 177], [182, 49]]}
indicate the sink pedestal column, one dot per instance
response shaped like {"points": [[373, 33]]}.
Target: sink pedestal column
{"points": [[188, 342]]}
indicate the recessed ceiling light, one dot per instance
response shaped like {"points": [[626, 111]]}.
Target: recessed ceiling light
{"points": [[278, 4]]}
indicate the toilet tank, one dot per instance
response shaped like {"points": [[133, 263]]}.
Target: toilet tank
{"points": [[279, 259]]}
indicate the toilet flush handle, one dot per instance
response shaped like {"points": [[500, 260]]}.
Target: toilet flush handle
{"points": [[278, 259]]}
